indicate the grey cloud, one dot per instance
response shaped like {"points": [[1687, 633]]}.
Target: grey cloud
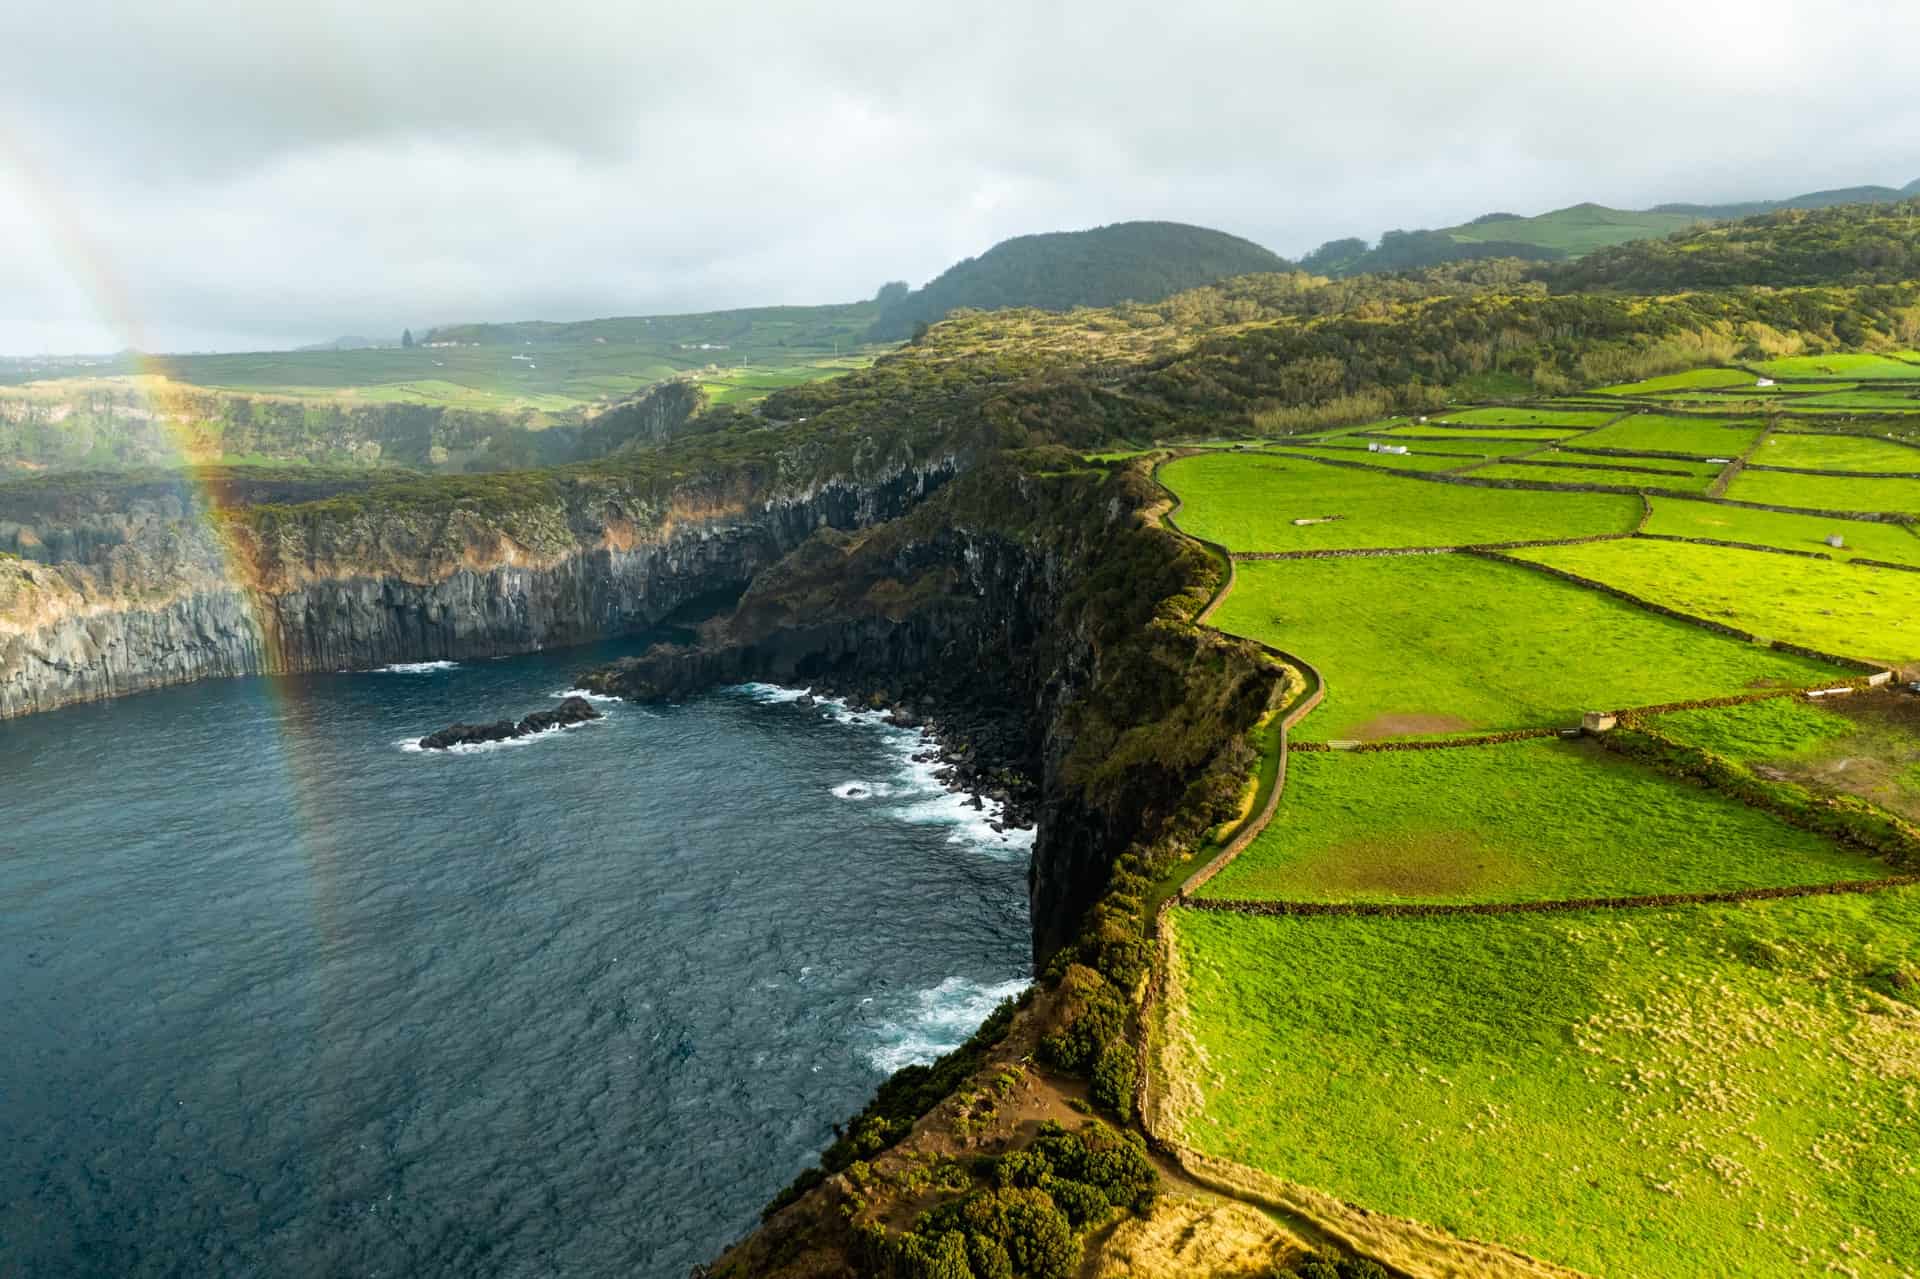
{"points": [[260, 174]]}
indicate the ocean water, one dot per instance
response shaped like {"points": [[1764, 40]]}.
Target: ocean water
{"points": [[282, 994]]}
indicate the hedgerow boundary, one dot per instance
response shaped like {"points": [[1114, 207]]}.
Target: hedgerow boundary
{"points": [[1405, 1248]]}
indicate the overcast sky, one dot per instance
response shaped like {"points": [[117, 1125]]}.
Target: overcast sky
{"points": [[187, 175]]}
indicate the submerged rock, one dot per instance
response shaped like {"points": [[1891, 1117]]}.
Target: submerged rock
{"points": [[574, 710]]}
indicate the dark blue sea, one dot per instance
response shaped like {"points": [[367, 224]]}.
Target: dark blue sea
{"points": [[280, 995]]}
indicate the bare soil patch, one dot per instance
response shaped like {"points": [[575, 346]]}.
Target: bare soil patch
{"points": [[1410, 724], [1416, 863]]}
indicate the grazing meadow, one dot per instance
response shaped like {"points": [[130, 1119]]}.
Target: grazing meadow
{"points": [[1853, 610], [1838, 453], [1695, 437], [1894, 543], [1625, 1092], [1249, 502], [1827, 492], [1535, 820], [1432, 645]]}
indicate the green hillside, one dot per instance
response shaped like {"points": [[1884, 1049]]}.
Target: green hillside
{"points": [[1125, 262], [1562, 234]]}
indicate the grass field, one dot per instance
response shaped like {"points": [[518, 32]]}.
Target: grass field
{"points": [[1850, 609], [1446, 461], [1691, 380], [1874, 401], [1579, 419], [1837, 453], [1520, 434], [1576, 230], [1650, 432], [1682, 476], [1866, 744], [1894, 543], [1827, 492], [1860, 368], [1523, 821], [1247, 502], [1505, 648], [1719, 1090]]}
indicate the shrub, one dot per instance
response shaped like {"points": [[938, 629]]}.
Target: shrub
{"points": [[1114, 1073], [1091, 1014], [1330, 1266]]}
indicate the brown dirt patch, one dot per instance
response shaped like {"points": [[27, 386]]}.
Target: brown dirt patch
{"points": [[1880, 763], [1188, 1235], [1412, 864], [1409, 724]]}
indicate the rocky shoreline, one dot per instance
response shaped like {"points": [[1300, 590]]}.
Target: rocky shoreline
{"points": [[976, 752]]}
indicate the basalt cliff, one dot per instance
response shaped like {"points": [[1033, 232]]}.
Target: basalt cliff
{"points": [[115, 584]]}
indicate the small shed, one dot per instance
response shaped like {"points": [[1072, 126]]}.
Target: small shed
{"points": [[1765, 381], [1836, 541]]}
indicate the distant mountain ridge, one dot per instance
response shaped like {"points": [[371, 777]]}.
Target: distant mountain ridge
{"points": [[1060, 270], [1562, 234]]}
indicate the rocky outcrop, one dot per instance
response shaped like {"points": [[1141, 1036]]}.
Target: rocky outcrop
{"points": [[574, 710], [174, 586], [1021, 606]]}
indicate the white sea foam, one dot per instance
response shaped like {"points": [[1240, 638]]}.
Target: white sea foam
{"points": [[938, 1021], [589, 695], [928, 801], [862, 790], [412, 745], [416, 668]]}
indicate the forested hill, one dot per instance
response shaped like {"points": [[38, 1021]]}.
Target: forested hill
{"points": [[1125, 262], [1845, 244], [1561, 235]]}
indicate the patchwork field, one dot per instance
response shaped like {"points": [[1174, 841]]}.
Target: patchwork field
{"points": [[1866, 401], [1827, 492], [1522, 434], [1421, 461], [1650, 432], [1861, 368], [1894, 543], [1447, 644], [1691, 380], [1647, 1093], [1680, 476], [1248, 502], [1866, 744], [1582, 419], [1850, 609], [1658, 1091], [1539, 820], [1838, 453]]}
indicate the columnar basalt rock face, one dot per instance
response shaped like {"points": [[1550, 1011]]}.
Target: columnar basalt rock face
{"points": [[109, 605]]}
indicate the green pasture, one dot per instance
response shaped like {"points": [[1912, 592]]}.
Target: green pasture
{"points": [[1653, 433], [1860, 368], [1691, 380], [1540, 820], [1247, 502], [1724, 1090], [1577, 230], [1849, 609], [1827, 492], [1838, 453], [1512, 434], [1680, 476], [1426, 461], [1572, 418], [1431, 645], [1866, 401], [1864, 744], [1894, 543]]}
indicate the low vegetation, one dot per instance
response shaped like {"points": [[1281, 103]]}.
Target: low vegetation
{"points": [[1893, 543], [1828, 492], [1734, 1081], [1838, 453], [1249, 502], [1651, 473], [1853, 610], [1511, 648], [1538, 820], [1695, 437]]}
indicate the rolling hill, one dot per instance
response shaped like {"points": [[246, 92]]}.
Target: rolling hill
{"points": [[1562, 234], [1124, 262]]}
